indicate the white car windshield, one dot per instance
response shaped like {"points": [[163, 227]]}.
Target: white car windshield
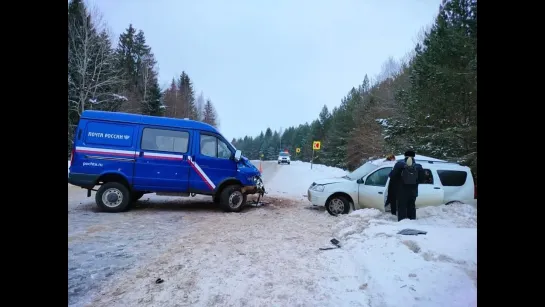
{"points": [[361, 171], [284, 154]]}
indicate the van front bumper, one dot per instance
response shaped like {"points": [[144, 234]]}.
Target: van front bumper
{"points": [[253, 189], [82, 180]]}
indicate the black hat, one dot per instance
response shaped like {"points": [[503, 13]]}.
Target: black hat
{"points": [[410, 153]]}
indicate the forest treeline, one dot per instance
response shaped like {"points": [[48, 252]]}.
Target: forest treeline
{"points": [[427, 102], [122, 78]]}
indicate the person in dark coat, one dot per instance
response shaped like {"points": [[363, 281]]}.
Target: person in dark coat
{"points": [[392, 186], [406, 175]]}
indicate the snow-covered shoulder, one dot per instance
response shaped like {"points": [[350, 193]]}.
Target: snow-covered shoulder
{"points": [[435, 269], [295, 179]]}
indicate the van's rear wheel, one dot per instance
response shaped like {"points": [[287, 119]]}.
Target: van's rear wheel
{"points": [[113, 197], [232, 199]]}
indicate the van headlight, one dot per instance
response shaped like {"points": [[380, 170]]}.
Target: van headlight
{"points": [[317, 188]]}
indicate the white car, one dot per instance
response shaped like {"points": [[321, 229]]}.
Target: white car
{"points": [[366, 187], [284, 157]]}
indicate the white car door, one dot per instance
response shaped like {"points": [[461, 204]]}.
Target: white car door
{"points": [[371, 191], [430, 193]]}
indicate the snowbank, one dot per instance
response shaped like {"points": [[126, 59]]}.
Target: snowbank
{"points": [[296, 178], [436, 269]]}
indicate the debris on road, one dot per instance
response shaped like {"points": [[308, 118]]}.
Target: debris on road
{"points": [[159, 281], [334, 242], [411, 232]]}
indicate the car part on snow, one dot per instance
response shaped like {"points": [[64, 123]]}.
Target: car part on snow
{"points": [[411, 232], [334, 242], [257, 203], [159, 281]]}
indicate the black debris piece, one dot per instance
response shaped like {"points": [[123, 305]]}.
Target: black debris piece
{"points": [[334, 242], [411, 232], [159, 281]]}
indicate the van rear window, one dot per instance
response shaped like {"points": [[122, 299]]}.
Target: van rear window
{"points": [[452, 178], [117, 135]]}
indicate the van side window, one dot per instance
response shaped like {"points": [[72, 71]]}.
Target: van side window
{"points": [[428, 177], [165, 140], [378, 178], [452, 178], [213, 147]]}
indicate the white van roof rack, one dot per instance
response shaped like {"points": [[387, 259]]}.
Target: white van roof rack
{"points": [[432, 161]]}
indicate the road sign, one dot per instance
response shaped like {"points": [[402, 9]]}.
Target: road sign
{"points": [[297, 150], [316, 145]]}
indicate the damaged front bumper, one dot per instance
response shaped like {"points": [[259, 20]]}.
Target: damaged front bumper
{"points": [[256, 188]]}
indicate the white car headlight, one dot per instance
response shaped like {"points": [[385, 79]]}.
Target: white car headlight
{"points": [[318, 188]]}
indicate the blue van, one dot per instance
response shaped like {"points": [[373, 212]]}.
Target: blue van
{"points": [[129, 155]]}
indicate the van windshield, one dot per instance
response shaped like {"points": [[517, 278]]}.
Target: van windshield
{"points": [[361, 171]]}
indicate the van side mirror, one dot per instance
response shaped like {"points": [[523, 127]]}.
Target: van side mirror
{"points": [[238, 154], [360, 181]]}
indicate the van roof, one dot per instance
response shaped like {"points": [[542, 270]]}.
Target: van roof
{"points": [[147, 120]]}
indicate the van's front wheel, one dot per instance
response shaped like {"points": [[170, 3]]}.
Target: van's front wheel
{"points": [[232, 199], [113, 197]]}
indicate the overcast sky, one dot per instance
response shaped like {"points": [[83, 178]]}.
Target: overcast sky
{"points": [[271, 63]]}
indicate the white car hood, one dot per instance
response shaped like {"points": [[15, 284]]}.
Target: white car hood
{"points": [[331, 180]]}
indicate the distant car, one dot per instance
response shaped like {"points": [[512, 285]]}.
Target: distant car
{"points": [[366, 187], [284, 157]]}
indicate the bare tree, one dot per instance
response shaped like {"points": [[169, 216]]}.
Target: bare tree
{"points": [[390, 70], [93, 78], [200, 106], [146, 65]]}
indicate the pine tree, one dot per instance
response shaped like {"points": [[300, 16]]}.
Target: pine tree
{"points": [[187, 96], [442, 98], [171, 100], [209, 113]]}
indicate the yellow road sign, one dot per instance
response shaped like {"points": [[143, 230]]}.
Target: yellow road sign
{"points": [[316, 145], [297, 150]]}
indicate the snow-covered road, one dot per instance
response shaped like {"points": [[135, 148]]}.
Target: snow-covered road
{"points": [[266, 256]]}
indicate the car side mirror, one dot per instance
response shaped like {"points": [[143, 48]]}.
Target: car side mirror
{"points": [[238, 154], [360, 181]]}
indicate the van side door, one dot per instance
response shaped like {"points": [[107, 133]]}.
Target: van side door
{"points": [[161, 162], [371, 192], [212, 163], [430, 192]]}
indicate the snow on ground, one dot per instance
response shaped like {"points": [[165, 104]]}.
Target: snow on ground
{"points": [[436, 269], [294, 180], [268, 255]]}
